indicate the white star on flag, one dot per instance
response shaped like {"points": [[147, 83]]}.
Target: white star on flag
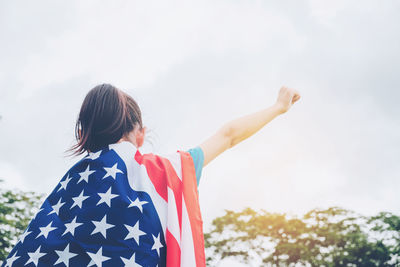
{"points": [[71, 227], [56, 207], [78, 200], [94, 155], [35, 256], [134, 232], [106, 197], [44, 231], [64, 256], [101, 227], [157, 244], [97, 258], [130, 262], [137, 203], [84, 176], [10, 260], [63, 184], [25, 234], [112, 171]]}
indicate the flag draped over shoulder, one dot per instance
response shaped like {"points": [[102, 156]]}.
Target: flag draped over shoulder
{"points": [[118, 207]]}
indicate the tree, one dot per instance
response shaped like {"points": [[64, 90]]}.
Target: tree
{"points": [[331, 237], [16, 210]]}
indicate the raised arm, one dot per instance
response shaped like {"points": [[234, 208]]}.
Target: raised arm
{"points": [[237, 130]]}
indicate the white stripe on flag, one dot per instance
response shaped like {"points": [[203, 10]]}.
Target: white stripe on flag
{"points": [[175, 159], [187, 246], [173, 220]]}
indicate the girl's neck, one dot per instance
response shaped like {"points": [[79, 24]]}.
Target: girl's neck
{"points": [[130, 138]]}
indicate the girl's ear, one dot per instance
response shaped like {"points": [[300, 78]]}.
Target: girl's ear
{"points": [[140, 136]]}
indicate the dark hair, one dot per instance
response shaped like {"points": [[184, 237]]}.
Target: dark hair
{"points": [[107, 114]]}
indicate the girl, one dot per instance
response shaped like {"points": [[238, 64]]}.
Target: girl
{"points": [[118, 207]]}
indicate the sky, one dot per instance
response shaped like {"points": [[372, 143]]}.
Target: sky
{"points": [[193, 66]]}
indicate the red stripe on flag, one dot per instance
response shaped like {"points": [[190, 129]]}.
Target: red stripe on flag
{"points": [[162, 174], [191, 197], [155, 171], [173, 251], [176, 185]]}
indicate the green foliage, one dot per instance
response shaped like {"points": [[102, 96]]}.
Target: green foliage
{"points": [[331, 237], [16, 210]]}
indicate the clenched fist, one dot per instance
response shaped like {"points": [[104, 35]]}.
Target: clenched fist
{"points": [[286, 98]]}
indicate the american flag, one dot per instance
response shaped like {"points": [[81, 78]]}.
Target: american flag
{"points": [[118, 207]]}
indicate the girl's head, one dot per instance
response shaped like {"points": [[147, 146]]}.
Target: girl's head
{"points": [[107, 115]]}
